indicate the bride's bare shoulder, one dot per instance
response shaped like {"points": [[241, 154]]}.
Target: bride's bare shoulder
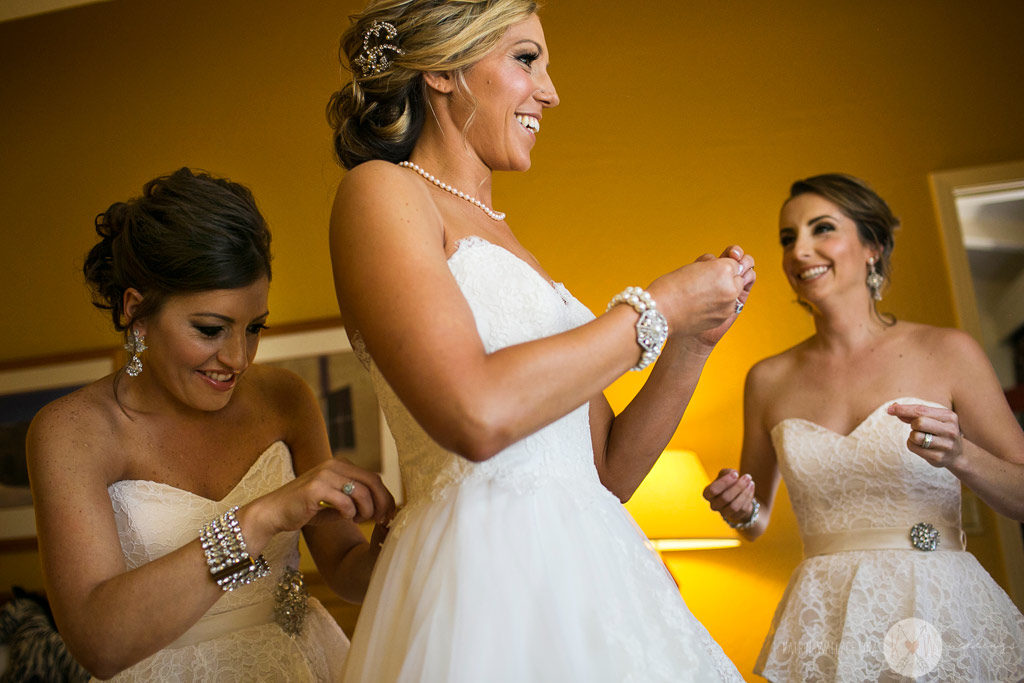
{"points": [[381, 194]]}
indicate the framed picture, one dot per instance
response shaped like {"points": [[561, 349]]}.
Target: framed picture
{"points": [[24, 389], [322, 356]]}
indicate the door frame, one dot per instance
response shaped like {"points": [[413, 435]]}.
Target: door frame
{"points": [[946, 186]]}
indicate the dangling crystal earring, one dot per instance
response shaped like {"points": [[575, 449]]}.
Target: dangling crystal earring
{"points": [[136, 345], [874, 279]]}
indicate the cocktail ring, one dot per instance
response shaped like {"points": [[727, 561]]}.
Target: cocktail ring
{"points": [[926, 440], [348, 488], [739, 305]]}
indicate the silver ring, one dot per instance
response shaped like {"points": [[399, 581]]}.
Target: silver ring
{"points": [[926, 440], [348, 488], [739, 305]]}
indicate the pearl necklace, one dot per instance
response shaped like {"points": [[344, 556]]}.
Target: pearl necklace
{"points": [[496, 215]]}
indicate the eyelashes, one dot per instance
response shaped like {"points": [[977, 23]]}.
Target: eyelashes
{"points": [[788, 238], [211, 331], [527, 58]]}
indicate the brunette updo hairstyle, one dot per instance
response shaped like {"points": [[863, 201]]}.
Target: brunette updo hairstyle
{"points": [[188, 232], [876, 224], [380, 115]]}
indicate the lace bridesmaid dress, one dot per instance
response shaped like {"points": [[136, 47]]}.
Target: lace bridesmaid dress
{"points": [[868, 603], [237, 639], [523, 567]]}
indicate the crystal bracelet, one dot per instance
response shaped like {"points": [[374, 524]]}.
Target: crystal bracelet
{"points": [[226, 555], [651, 328], [741, 526]]}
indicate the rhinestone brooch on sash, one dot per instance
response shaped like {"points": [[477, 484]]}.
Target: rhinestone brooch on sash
{"points": [[290, 602], [924, 536]]}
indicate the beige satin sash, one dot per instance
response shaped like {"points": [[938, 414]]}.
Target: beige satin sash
{"points": [[218, 624], [895, 538]]}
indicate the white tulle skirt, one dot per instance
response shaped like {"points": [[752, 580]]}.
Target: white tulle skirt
{"points": [[553, 582]]}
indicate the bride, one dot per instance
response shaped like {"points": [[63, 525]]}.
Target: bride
{"points": [[513, 559]]}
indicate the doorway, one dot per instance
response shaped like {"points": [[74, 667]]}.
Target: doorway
{"points": [[981, 218]]}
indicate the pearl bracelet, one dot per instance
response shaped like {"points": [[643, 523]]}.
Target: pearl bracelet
{"points": [[750, 520], [226, 555], [651, 328]]}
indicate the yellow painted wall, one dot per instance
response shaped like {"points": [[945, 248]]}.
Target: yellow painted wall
{"points": [[681, 126]]}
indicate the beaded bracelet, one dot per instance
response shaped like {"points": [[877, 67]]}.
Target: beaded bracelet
{"points": [[651, 328], [226, 555], [741, 526]]}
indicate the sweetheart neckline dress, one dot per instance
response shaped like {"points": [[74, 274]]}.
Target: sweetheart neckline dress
{"points": [[523, 567], [237, 639], [856, 499]]}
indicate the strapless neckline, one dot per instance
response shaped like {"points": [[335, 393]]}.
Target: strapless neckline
{"points": [[267, 452], [870, 416], [477, 241]]}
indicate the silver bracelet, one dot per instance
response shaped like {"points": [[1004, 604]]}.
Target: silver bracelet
{"points": [[651, 328], [226, 555], [750, 520]]}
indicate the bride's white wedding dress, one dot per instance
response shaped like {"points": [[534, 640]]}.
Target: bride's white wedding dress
{"points": [[523, 567], [238, 638], [842, 618]]}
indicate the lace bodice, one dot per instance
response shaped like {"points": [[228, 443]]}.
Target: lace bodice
{"points": [[511, 303], [154, 519], [866, 479], [235, 640], [841, 609]]}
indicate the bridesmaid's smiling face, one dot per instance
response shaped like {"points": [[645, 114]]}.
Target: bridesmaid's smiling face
{"points": [[200, 344], [822, 252]]}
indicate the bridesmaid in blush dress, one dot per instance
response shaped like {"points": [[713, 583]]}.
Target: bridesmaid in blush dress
{"points": [[170, 495], [875, 424]]}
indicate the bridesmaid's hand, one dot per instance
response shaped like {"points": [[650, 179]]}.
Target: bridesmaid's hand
{"points": [[935, 434], [334, 487], [731, 495]]}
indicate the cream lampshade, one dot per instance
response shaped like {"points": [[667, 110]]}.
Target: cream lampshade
{"points": [[670, 509]]}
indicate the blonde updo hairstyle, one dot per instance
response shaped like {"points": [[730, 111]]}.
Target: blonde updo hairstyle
{"points": [[380, 115]]}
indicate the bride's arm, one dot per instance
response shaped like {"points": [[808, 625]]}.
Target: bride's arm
{"points": [[395, 288], [626, 446]]}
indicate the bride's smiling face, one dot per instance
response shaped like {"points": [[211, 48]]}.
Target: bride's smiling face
{"points": [[508, 90]]}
